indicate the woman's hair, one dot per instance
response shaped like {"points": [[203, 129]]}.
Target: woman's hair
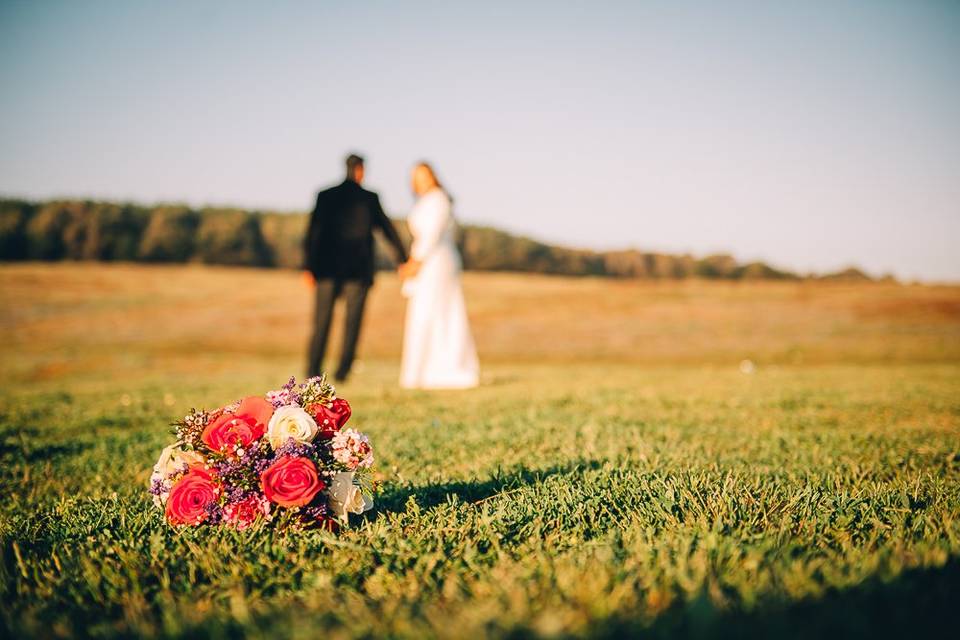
{"points": [[433, 174]]}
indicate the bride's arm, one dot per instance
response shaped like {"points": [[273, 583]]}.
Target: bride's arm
{"points": [[432, 220]]}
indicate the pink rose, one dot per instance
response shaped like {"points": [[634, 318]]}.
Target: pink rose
{"points": [[241, 427], [190, 496], [291, 481]]}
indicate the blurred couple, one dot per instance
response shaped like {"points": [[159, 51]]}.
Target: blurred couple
{"points": [[438, 348]]}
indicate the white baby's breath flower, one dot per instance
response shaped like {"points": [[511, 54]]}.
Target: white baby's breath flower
{"points": [[290, 422], [352, 449], [347, 496], [279, 397]]}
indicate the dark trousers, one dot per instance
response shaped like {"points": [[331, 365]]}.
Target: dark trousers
{"points": [[327, 291]]}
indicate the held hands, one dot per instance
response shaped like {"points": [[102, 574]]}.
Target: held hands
{"points": [[409, 269]]}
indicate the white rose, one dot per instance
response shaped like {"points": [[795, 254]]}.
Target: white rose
{"points": [[346, 496], [172, 459], [290, 422]]}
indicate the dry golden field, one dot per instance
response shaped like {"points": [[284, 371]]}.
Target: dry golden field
{"points": [[82, 321]]}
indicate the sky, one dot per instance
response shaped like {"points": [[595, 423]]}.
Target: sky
{"points": [[812, 135]]}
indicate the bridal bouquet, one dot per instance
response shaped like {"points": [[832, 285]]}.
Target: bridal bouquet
{"points": [[285, 458]]}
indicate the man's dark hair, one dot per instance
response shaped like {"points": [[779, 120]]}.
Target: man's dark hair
{"points": [[353, 161]]}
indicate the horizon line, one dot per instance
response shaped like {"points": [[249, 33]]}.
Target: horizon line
{"points": [[523, 235]]}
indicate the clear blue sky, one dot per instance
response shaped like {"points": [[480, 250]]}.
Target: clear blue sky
{"points": [[810, 134]]}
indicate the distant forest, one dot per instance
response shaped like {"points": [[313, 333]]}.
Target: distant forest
{"points": [[107, 231]]}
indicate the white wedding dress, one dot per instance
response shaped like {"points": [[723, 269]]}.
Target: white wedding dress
{"points": [[438, 348]]}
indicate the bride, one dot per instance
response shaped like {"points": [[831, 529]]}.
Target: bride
{"points": [[438, 349]]}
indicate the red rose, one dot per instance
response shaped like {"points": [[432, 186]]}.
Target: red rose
{"points": [[291, 481], [188, 499], [331, 418], [243, 426]]}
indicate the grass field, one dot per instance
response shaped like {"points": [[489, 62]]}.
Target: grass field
{"points": [[616, 473]]}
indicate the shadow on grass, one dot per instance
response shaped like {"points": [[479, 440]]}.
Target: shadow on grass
{"points": [[918, 603], [471, 491], [21, 445]]}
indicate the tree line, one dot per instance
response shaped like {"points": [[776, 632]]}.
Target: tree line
{"points": [[108, 231]]}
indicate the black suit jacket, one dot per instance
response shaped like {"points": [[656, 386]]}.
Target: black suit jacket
{"points": [[339, 241]]}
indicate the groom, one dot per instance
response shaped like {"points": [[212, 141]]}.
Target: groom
{"points": [[338, 251]]}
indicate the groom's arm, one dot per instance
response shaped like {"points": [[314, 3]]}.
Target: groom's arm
{"points": [[389, 231], [314, 229]]}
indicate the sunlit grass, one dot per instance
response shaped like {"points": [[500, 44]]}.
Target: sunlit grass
{"points": [[574, 496]]}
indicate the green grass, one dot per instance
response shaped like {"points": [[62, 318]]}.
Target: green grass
{"points": [[592, 500], [614, 475]]}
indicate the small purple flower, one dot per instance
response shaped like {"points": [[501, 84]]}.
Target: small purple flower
{"points": [[314, 511], [157, 486], [288, 394], [297, 449], [214, 513], [261, 465], [237, 494]]}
